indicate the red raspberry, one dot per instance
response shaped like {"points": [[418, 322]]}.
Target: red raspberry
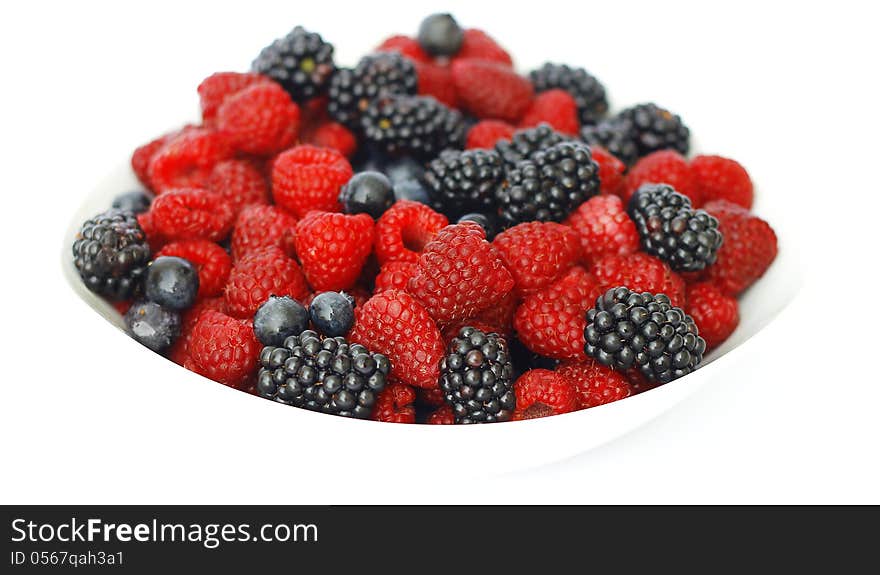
{"points": [[442, 416], [259, 274], [554, 107], [436, 81], [406, 46], [121, 306], [604, 228], [611, 171], [487, 133], [394, 275], [240, 183], [307, 178], [500, 315], [187, 159], [192, 214], [480, 46], [404, 229], [459, 274], [639, 382], [394, 404], [260, 120], [212, 262], [542, 393], [450, 331], [748, 250], [393, 323], [491, 90], [433, 397], [538, 253], [334, 136], [143, 155], [640, 272], [720, 178], [663, 167], [716, 314], [332, 249], [594, 383], [179, 352], [223, 348], [148, 224], [258, 227], [214, 89]]}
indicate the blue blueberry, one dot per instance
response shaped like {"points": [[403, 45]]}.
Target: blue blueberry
{"points": [[152, 325], [403, 169], [483, 221], [367, 193], [136, 202], [332, 313], [172, 282], [440, 35], [279, 318], [411, 190]]}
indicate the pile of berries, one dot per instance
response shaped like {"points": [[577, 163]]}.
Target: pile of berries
{"points": [[428, 236]]}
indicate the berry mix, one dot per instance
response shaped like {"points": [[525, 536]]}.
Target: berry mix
{"points": [[429, 236]]}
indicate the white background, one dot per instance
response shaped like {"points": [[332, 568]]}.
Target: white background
{"points": [[789, 88]]}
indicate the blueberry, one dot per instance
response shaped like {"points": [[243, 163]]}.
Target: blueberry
{"points": [[412, 190], [403, 170], [332, 313], [368, 193], [440, 35], [279, 318], [136, 202], [152, 325], [483, 221], [172, 282]]}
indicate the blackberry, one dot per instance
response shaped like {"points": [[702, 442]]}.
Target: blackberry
{"points": [[656, 129], [460, 182], [476, 376], [416, 125], [669, 228], [616, 136], [377, 75], [111, 254], [301, 62], [549, 186], [587, 91], [526, 142], [628, 329], [322, 374]]}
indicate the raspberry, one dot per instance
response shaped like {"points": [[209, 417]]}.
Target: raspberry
{"points": [[611, 170], [223, 348], [406, 46], [394, 275], [142, 156], [260, 120], [640, 273], [459, 274], [211, 261], [663, 167], [191, 214], [542, 393], [404, 229], [604, 228], [436, 81], [748, 250], [261, 226], [259, 274], [594, 383], [395, 404], [554, 107], [720, 178], [431, 397], [393, 323], [487, 133], [332, 249], [240, 183], [179, 352], [491, 90], [538, 253], [186, 160], [307, 178], [480, 46], [148, 224], [214, 89], [441, 416], [716, 314], [334, 136], [451, 331], [500, 315]]}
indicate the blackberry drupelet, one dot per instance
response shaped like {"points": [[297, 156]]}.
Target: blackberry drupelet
{"points": [[476, 376], [301, 62], [526, 142], [323, 374], [416, 125], [461, 182], [587, 91], [111, 254], [616, 136], [628, 329], [377, 75], [656, 129], [669, 228], [549, 186]]}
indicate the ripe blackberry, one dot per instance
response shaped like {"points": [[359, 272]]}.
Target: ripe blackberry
{"points": [[111, 254], [323, 374], [627, 329], [416, 125], [476, 376], [587, 91], [616, 136], [377, 75], [526, 142], [461, 182], [656, 129], [669, 228], [549, 186], [301, 62]]}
